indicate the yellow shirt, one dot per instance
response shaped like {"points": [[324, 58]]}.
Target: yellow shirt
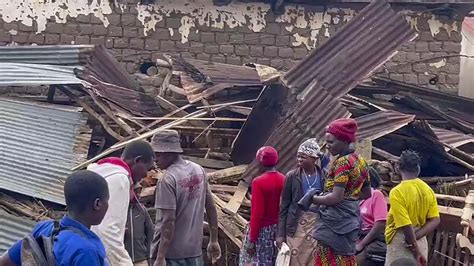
{"points": [[412, 202]]}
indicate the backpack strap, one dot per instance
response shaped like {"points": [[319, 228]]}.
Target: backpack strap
{"points": [[48, 242]]}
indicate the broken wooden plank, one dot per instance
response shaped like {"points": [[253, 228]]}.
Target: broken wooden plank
{"points": [[236, 200], [124, 143], [239, 219], [224, 119], [227, 175], [209, 163], [92, 112], [112, 116], [223, 188]]}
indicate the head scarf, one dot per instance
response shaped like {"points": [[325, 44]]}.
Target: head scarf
{"points": [[311, 148], [267, 156], [343, 129]]}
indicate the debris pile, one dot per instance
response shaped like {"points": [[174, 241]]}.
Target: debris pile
{"points": [[224, 113]]}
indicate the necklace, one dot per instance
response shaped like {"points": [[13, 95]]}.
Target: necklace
{"points": [[307, 179]]}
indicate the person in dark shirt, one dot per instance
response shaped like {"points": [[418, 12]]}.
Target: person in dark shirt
{"points": [[87, 195], [138, 233]]}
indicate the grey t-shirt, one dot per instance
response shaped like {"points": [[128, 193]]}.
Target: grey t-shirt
{"points": [[182, 188]]}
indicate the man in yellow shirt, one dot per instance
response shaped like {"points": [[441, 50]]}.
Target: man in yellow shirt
{"points": [[413, 213]]}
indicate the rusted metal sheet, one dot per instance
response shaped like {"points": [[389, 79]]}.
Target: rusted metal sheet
{"points": [[12, 229], [202, 79], [39, 145], [133, 101], [376, 125], [365, 43], [332, 70], [452, 138]]}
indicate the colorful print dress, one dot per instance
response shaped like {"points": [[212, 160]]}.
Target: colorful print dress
{"points": [[349, 171]]}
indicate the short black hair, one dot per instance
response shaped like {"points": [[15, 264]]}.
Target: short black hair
{"points": [[409, 161], [82, 188], [138, 148]]}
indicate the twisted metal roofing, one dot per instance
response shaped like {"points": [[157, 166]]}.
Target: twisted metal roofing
{"points": [[12, 229]]}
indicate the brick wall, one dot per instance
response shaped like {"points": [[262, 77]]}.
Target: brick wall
{"points": [[237, 34]]}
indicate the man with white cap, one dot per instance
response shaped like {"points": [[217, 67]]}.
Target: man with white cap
{"points": [[182, 196]]}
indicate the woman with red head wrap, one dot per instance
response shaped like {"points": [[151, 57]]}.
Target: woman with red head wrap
{"points": [[338, 224], [259, 248]]}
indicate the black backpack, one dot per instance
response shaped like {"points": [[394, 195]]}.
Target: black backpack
{"points": [[38, 251]]}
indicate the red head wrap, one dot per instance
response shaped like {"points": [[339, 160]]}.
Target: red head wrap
{"points": [[343, 129], [267, 156]]}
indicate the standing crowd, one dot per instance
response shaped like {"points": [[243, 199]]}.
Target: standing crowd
{"points": [[331, 212], [327, 211]]}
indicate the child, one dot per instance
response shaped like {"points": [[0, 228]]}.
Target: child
{"points": [[413, 213], [87, 195]]}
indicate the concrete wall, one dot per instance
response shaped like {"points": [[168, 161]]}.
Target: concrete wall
{"points": [[237, 33], [466, 84]]}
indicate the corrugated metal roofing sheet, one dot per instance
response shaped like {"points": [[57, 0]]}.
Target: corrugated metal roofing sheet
{"points": [[332, 70], [360, 47], [452, 138], [46, 54], [203, 79], [12, 229], [376, 125], [39, 145], [22, 74]]}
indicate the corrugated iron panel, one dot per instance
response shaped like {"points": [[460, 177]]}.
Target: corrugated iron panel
{"points": [[39, 144], [216, 73], [331, 71], [376, 125], [12, 229], [20, 74], [46, 54], [363, 44], [452, 138], [203, 79]]}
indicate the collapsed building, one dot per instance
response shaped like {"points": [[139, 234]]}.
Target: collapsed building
{"points": [[87, 106]]}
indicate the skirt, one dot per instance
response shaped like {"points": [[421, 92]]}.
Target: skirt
{"points": [[266, 251], [302, 244], [397, 249], [325, 256]]}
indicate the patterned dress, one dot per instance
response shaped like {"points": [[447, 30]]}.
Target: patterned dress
{"points": [[349, 171]]}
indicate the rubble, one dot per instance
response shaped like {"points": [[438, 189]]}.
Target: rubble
{"points": [[224, 113]]}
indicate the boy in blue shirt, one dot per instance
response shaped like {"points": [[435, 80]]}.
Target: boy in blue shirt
{"points": [[86, 194]]}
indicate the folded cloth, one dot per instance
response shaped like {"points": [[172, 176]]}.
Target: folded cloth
{"points": [[338, 226], [306, 201]]}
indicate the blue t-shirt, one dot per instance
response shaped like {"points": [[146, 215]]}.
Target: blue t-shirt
{"points": [[70, 248]]}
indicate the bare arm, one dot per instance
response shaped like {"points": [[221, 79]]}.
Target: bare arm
{"points": [[377, 229], [6, 261], [333, 198], [212, 218], [167, 231], [428, 228]]}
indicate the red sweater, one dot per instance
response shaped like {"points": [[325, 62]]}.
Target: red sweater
{"points": [[266, 193]]}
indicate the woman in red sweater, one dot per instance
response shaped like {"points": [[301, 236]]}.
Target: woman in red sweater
{"points": [[259, 248]]}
